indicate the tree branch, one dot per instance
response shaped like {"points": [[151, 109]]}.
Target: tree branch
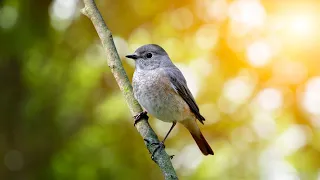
{"points": [[161, 158]]}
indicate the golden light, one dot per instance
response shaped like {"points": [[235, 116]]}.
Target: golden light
{"points": [[296, 25], [207, 36], [248, 12], [239, 89], [190, 164], [270, 99], [259, 53], [292, 139], [289, 72], [302, 25], [218, 9], [311, 97], [264, 124]]}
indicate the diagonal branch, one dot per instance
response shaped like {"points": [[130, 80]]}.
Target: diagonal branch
{"points": [[161, 157]]}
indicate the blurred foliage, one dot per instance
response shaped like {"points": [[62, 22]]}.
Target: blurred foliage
{"points": [[252, 65]]}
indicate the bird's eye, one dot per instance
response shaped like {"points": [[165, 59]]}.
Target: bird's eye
{"points": [[149, 55]]}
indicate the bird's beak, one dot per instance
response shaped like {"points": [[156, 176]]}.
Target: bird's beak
{"points": [[132, 56]]}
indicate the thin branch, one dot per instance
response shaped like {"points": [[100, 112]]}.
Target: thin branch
{"points": [[161, 157]]}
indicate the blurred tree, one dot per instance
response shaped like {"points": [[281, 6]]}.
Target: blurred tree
{"points": [[252, 65]]}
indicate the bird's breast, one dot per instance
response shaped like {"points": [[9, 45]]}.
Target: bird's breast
{"points": [[154, 92]]}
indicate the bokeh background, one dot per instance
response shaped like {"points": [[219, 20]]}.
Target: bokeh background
{"points": [[253, 66]]}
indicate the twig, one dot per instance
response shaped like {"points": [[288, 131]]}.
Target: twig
{"points": [[161, 157]]}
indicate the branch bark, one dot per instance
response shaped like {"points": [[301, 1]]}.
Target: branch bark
{"points": [[161, 158]]}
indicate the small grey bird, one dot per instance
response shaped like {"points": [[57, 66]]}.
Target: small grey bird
{"points": [[162, 90]]}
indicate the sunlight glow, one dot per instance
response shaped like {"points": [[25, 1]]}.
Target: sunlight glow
{"points": [[241, 136], [274, 167], [289, 72], [62, 12], [207, 36], [248, 12], [188, 159], [204, 65], [225, 106], [264, 124], [259, 53], [272, 161], [218, 9], [64, 9], [291, 140], [315, 121], [237, 90], [301, 25], [311, 97], [270, 99]]}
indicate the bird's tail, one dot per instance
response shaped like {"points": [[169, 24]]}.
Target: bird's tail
{"points": [[193, 128]]}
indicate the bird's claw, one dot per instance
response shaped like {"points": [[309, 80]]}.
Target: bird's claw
{"points": [[140, 116], [160, 146]]}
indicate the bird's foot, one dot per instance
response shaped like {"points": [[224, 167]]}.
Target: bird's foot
{"points": [[160, 146], [140, 116]]}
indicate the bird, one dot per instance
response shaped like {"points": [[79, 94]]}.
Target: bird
{"points": [[161, 89]]}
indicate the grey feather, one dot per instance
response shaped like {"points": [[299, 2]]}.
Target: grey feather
{"points": [[179, 84]]}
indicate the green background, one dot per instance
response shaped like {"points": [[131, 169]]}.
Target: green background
{"points": [[252, 65]]}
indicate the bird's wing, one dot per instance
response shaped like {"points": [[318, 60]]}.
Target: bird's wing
{"points": [[179, 84]]}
